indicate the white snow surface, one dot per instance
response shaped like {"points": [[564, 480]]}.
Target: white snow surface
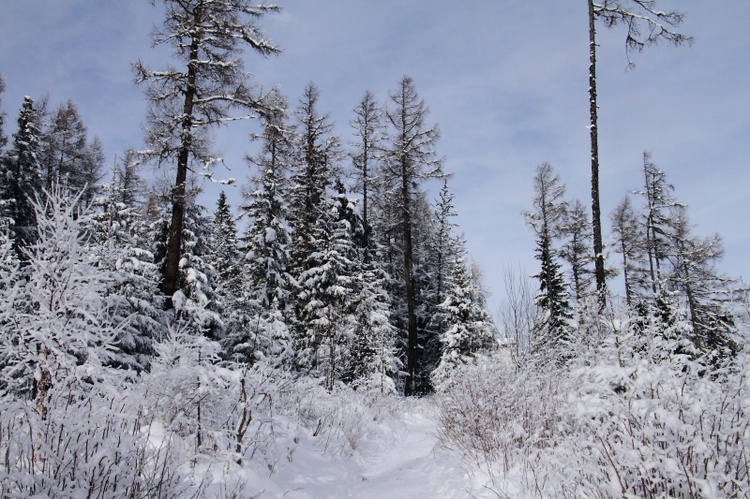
{"points": [[402, 460]]}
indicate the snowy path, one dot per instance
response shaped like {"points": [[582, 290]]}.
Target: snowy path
{"points": [[415, 467], [409, 465]]}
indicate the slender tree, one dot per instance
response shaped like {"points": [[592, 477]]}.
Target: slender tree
{"points": [[369, 127], [3, 137], [410, 159], [628, 241], [67, 155], [547, 221], [646, 25], [576, 248], [208, 37]]}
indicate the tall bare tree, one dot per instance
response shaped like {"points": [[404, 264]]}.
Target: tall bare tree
{"points": [[410, 159], [207, 37], [646, 25]]}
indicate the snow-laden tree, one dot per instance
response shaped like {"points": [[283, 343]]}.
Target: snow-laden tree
{"points": [[410, 158], [118, 240], [20, 178], [64, 331], [67, 156], [196, 304], [373, 359], [318, 152], [710, 297], [207, 37], [468, 326], [553, 338], [327, 286], [258, 316]]}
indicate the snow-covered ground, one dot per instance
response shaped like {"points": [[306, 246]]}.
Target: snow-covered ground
{"points": [[402, 460]]}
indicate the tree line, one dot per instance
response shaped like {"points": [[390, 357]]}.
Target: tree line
{"points": [[345, 269]]}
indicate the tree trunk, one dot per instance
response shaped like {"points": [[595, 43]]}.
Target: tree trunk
{"points": [[411, 352], [601, 285], [174, 245]]}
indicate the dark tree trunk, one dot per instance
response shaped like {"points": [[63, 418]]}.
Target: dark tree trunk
{"points": [[174, 245], [411, 352], [593, 128]]}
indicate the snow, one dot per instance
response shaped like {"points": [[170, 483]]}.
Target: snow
{"points": [[402, 459]]}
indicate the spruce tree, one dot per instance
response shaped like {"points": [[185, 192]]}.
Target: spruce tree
{"points": [[20, 179], [259, 315], [553, 336]]}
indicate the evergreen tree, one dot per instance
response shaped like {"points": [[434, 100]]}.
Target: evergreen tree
{"points": [[117, 239], [208, 36], [469, 327], [554, 336], [20, 179], [326, 288], [258, 320], [410, 158], [197, 305]]}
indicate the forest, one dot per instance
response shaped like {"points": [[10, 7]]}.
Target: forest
{"points": [[154, 346]]}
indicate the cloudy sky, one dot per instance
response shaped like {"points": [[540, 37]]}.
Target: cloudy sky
{"points": [[505, 80]]}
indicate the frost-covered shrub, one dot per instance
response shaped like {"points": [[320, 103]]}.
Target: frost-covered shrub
{"points": [[498, 416], [96, 446], [638, 418]]}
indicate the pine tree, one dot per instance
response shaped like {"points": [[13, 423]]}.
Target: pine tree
{"points": [[117, 239], [196, 304], [327, 286], [410, 158], [20, 179], [208, 36], [258, 320]]}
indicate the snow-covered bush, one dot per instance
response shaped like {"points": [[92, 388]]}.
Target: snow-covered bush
{"points": [[639, 417], [96, 446]]}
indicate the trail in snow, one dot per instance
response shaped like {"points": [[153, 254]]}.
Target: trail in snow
{"points": [[411, 464], [415, 467]]}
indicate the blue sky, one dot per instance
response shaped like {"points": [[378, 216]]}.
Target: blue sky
{"points": [[506, 82]]}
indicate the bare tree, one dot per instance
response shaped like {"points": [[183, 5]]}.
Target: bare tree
{"points": [[645, 26], [410, 159], [207, 36]]}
